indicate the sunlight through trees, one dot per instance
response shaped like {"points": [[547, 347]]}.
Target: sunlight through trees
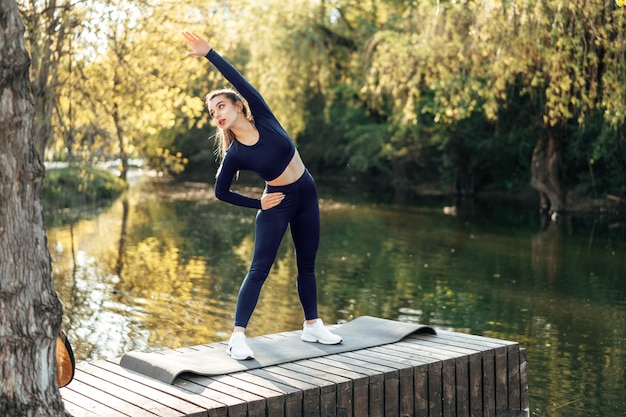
{"points": [[460, 95]]}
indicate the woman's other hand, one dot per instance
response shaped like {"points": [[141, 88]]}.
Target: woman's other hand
{"points": [[199, 45], [270, 200]]}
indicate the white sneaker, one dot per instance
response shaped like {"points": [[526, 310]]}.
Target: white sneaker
{"points": [[316, 332], [238, 348]]}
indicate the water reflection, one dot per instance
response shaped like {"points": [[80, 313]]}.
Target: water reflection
{"points": [[161, 267]]}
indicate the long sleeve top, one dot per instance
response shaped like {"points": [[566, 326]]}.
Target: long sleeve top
{"points": [[268, 157]]}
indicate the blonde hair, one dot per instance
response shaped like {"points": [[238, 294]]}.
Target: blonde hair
{"points": [[224, 137]]}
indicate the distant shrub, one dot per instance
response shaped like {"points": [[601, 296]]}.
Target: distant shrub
{"points": [[74, 187]]}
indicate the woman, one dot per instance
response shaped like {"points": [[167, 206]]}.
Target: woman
{"points": [[254, 140]]}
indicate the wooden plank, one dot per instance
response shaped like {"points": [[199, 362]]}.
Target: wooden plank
{"points": [[513, 378], [175, 402], [235, 407], [330, 401], [456, 346], [142, 400], [462, 386], [292, 397], [435, 389], [215, 408], [244, 403], [377, 379], [325, 395], [76, 410], [502, 387], [391, 393], [376, 392], [407, 402], [489, 383], [485, 341], [441, 389], [238, 402], [412, 353], [273, 399], [345, 390], [309, 391], [420, 386], [311, 387], [403, 357], [448, 383], [82, 406], [524, 382], [362, 377], [96, 398], [442, 398], [476, 385]]}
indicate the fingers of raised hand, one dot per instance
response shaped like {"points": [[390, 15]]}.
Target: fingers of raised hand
{"points": [[197, 43]]}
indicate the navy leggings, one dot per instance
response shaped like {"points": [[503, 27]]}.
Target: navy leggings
{"points": [[300, 210]]}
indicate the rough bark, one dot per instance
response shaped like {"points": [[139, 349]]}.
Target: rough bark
{"points": [[30, 316], [545, 173]]}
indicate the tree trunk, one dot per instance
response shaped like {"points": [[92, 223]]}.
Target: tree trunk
{"points": [[545, 173], [120, 139], [31, 312]]}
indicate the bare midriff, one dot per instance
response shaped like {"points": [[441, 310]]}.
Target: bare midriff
{"points": [[291, 174]]}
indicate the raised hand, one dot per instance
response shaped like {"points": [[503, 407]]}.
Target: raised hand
{"points": [[199, 45]]}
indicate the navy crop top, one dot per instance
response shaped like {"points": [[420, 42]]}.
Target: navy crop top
{"points": [[268, 157]]}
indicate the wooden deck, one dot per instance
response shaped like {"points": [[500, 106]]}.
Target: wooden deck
{"points": [[445, 375]]}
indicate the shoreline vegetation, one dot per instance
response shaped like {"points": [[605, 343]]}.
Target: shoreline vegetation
{"points": [[486, 97], [72, 187], [75, 187], [576, 203]]}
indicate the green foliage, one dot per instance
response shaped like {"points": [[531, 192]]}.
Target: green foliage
{"points": [[201, 163], [595, 159], [448, 93], [72, 187], [341, 138]]}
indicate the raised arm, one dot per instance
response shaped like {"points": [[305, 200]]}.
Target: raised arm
{"points": [[200, 47]]}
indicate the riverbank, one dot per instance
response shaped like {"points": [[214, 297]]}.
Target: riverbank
{"points": [[74, 187], [576, 203]]}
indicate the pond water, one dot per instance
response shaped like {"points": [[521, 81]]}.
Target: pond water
{"points": [[161, 266]]}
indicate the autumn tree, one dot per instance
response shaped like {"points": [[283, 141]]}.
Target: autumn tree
{"points": [[459, 95], [445, 64], [49, 29], [128, 92], [31, 311]]}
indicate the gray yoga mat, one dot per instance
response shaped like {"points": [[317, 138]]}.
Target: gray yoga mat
{"points": [[212, 359]]}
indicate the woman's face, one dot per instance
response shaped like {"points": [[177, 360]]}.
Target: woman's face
{"points": [[224, 111]]}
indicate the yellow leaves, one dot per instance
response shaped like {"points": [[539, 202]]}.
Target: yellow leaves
{"points": [[490, 107], [164, 162], [407, 60], [466, 60]]}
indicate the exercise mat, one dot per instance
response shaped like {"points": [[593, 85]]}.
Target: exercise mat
{"points": [[212, 359]]}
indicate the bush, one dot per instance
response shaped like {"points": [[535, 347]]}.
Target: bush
{"points": [[74, 187]]}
